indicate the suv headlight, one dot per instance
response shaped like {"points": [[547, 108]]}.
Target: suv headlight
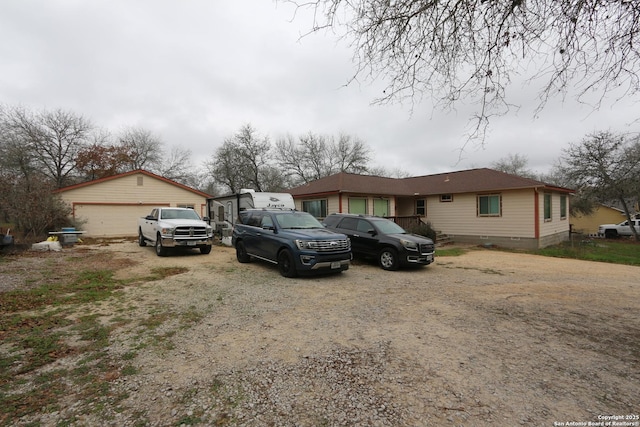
{"points": [[412, 246], [306, 244]]}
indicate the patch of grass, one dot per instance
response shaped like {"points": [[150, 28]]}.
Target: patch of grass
{"points": [[88, 286], [190, 317], [616, 252], [160, 273], [155, 320], [38, 326], [481, 270], [129, 370], [450, 252]]}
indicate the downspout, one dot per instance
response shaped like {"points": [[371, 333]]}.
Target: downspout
{"points": [[340, 202]]}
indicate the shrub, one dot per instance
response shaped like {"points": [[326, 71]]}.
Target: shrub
{"points": [[423, 229]]}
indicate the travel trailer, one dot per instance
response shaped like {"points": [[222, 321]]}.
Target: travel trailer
{"points": [[223, 210]]}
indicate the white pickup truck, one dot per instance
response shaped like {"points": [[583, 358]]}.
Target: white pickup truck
{"points": [[175, 227], [612, 231]]}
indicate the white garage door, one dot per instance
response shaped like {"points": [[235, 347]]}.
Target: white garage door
{"points": [[110, 220]]}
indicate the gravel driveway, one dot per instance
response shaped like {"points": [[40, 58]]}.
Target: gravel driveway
{"points": [[484, 339]]}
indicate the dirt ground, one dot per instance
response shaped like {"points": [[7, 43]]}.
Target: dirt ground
{"points": [[486, 338]]}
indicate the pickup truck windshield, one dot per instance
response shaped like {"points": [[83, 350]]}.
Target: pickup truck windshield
{"points": [[179, 214], [297, 220]]}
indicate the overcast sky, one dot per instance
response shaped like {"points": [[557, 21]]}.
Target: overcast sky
{"points": [[194, 71]]}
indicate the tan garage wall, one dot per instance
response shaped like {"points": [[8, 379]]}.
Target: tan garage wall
{"points": [[111, 206], [103, 220]]}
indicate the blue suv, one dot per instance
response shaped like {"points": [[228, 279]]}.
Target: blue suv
{"points": [[293, 240]]}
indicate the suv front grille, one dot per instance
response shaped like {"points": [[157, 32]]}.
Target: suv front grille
{"points": [[190, 232], [331, 245], [426, 248]]}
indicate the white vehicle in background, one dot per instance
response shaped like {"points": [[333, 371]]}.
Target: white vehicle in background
{"points": [[612, 231]]}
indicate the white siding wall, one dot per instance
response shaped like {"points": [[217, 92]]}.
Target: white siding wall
{"points": [[515, 227], [459, 217], [556, 224]]}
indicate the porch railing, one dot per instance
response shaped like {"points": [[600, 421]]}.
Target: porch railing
{"points": [[406, 221]]}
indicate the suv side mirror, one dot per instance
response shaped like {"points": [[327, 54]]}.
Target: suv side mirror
{"points": [[372, 232]]}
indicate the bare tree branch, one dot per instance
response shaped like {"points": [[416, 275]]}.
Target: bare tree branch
{"points": [[453, 50]]}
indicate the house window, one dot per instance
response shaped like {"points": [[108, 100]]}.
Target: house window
{"points": [[381, 207], [547, 206], [421, 207], [446, 197], [186, 206], [563, 207], [357, 206], [317, 208], [140, 181], [490, 205]]}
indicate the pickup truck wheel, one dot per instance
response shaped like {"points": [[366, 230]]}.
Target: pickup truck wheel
{"points": [[611, 234], [141, 241], [160, 250], [241, 253], [388, 258], [206, 249], [286, 265]]}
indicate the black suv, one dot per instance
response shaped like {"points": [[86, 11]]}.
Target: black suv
{"points": [[293, 240], [382, 239]]}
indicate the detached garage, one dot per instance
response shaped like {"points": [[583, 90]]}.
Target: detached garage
{"points": [[111, 206]]}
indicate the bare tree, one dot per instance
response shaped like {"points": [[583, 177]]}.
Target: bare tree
{"points": [[16, 157], [313, 156], [242, 161], [350, 155], [176, 165], [606, 166], [144, 149], [451, 50], [514, 164], [52, 139]]}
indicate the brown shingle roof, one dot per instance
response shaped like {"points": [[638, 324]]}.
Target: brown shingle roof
{"points": [[466, 181]]}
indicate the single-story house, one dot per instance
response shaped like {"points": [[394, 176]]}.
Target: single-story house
{"points": [[478, 206], [111, 206]]}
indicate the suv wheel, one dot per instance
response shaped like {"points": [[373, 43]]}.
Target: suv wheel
{"points": [[286, 265], [388, 258], [241, 253]]}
